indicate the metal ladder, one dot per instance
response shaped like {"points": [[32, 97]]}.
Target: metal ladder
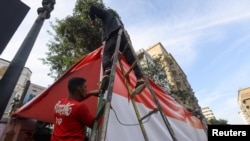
{"points": [[116, 58]]}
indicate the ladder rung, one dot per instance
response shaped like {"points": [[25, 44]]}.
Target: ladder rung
{"points": [[130, 69], [149, 113]]}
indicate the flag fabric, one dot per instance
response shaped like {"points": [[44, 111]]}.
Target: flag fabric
{"points": [[42, 106], [122, 123]]}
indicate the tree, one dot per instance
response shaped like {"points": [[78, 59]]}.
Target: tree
{"points": [[73, 38], [214, 121], [154, 68]]}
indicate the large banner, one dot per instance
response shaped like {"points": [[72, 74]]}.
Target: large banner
{"points": [[122, 122]]}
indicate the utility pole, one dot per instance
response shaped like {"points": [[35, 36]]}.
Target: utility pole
{"points": [[12, 74]]}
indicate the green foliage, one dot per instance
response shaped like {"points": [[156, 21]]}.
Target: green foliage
{"points": [[73, 38], [214, 121], [155, 69]]}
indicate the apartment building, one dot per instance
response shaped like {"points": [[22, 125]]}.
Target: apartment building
{"points": [[24, 90], [208, 113], [244, 102], [179, 87]]}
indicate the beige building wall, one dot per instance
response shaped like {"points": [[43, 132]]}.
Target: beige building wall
{"points": [[180, 88], [18, 92], [25, 76], [244, 102], [23, 85], [208, 113]]}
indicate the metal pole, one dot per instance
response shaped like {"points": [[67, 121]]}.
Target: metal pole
{"points": [[24, 92], [12, 74]]}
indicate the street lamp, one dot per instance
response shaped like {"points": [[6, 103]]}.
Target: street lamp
{"points": [[13, 72]]}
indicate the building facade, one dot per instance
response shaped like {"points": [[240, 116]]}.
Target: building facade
{"points": [[244, 102], [176, 84], [22, 94], [18, 91], [208, 113], [24, 90], [179, 87]]}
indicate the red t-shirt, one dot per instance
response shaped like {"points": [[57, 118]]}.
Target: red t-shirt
{"points": [[70, 118]]}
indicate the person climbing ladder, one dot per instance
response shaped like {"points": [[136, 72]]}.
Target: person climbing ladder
{"points": [[111, 24]]}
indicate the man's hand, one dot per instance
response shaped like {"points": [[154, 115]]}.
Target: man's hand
{"points": [[94, 93]]}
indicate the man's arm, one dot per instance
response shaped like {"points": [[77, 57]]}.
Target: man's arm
{"points": [[93, 93]]}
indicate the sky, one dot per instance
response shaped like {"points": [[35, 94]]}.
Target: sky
{"points": [[210, 40]]}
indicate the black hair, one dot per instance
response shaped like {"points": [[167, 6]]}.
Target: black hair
{"points": [[74, 82]]}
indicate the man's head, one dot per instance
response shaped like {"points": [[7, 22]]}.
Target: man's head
{"points": [[77, 88]]}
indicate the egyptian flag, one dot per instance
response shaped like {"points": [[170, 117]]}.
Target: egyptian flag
{"points": [[122, 120]]}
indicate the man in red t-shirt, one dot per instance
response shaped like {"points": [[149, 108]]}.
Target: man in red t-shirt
{"points": [[71, 115]]}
